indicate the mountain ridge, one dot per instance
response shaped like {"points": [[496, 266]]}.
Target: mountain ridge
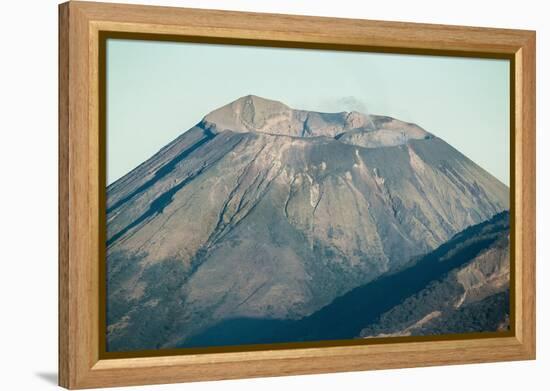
{"points": [[252, 113]]}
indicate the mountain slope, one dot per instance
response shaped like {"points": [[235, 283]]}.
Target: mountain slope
{"points": [[471, 298], [264, 211], [462, 286]]}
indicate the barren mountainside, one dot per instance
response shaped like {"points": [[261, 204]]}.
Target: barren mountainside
{"points": [[263, 211], [462, 286]]}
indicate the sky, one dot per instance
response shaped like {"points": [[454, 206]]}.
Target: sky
{"points": [[158, 90]]}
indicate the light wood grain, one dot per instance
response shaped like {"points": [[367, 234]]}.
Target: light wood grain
{"points": [[80, 24], [63, 308], [526, 187]]}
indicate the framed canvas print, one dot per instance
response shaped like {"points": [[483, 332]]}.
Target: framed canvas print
{"points": [[248, 195]]}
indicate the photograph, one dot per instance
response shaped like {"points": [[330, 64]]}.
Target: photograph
{"points": [[260, 195]]}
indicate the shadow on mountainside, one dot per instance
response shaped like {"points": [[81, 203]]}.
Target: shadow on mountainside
{"points": [[347, 315]]}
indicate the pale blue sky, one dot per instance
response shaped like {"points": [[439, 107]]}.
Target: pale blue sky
{"points": [[157, 90]]}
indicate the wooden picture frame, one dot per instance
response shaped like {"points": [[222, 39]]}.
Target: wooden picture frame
{"points": [[82, 159]]}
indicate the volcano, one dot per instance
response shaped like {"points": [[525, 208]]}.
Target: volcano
{"points": [[266, 212]]}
